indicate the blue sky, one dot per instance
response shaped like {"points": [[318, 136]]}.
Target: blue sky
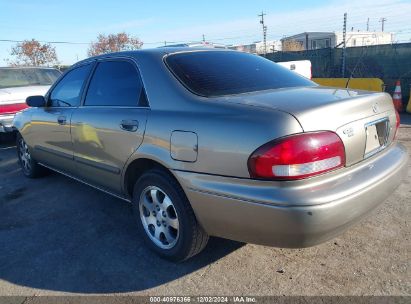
{"points": [[183, 21]]}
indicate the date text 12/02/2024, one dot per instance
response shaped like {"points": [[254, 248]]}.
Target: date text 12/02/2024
{"points": [[203, 299]]}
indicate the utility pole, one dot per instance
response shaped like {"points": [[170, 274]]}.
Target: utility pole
{"points": [[344, 45], [382, 20], [264, 31], [368, 24]]}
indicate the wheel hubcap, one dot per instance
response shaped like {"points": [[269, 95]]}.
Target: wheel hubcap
{"points": [[25, 157], [159, 217]]}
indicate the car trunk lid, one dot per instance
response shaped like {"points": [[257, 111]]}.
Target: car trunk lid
{"points": [[19, 94], [13, 100], [364, 120]]}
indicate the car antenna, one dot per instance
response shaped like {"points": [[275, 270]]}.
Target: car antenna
{"points": [[355, 67]]}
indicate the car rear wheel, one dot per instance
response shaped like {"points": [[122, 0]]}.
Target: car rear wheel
{"points": [[165, 218], [28, 164]]}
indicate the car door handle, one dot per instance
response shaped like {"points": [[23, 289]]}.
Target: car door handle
{"points": [[129, 125], [61, 120]]}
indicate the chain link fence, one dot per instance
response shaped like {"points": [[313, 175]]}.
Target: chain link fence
{"points": [[389, 62]]}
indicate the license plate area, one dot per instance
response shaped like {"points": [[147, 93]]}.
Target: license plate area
{"points": [[376, 136]]}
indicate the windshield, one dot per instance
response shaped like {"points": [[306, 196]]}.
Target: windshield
{"points": [[21, 77], [217, 73]]}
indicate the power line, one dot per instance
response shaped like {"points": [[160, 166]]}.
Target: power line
{"points": [[272, 36], [79, 43], [51, 42], [326, 23]]}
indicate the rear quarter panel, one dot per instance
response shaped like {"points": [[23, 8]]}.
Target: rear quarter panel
{"points": [[227, 135]]}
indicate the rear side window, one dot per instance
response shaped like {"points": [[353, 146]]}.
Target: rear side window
{"points": [[216, 73], [115, 83], [67, 93]]}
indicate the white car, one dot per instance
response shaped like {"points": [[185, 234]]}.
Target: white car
{"points": [[16, 84], [301, 67]]}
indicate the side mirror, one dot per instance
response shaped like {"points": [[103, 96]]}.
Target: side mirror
{"points": [[36, 101]]}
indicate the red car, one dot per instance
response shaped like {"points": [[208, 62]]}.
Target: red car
{"points": [[16, 84]]}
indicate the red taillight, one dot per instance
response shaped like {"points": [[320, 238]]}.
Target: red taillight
{"points": [[12, 108], [298, 156], [397, 124]]}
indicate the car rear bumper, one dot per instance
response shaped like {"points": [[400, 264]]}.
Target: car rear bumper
{"points": [[294, 214], [6, 123]]}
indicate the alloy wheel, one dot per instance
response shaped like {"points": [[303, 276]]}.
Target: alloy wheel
{"points": [[159, 217], [25, 157]]}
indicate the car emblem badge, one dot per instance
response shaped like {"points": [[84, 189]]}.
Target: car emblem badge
{"points": [[349, 132], [375, 108]]}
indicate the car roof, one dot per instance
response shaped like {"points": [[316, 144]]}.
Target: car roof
{"points": [[162, 51]]}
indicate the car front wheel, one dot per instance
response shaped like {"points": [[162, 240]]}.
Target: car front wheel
{"points": [[165, 218]]}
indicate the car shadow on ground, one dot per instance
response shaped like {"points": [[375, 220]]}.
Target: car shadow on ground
{"points": [[58, 234]]}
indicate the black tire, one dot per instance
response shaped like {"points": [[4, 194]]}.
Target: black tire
{"points": [[28, 165], [191, 236]]}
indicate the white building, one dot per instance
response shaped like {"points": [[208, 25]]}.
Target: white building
{"points": [[258, 47], [320, 40]]}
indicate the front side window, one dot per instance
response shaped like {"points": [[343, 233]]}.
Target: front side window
{"points": [[67, 93], [115, 83], [217, 73]]}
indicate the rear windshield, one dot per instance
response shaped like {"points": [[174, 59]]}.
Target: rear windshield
{"points": [[21, 77], [217, 73]]}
